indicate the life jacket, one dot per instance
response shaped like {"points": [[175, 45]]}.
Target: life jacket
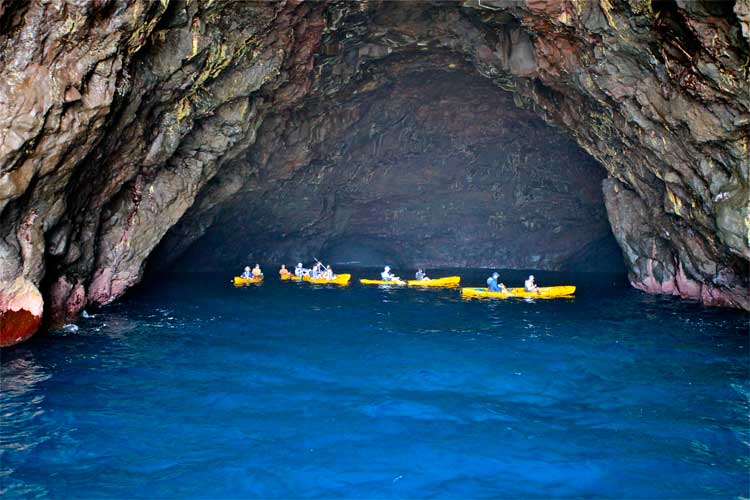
{"points": [[492, 285]]}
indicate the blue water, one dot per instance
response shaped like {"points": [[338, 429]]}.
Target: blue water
{"points": [[192, 388]]}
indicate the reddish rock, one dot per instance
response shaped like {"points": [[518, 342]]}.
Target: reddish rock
{"points": [[67, 300], [17, 326], [21, 308]]}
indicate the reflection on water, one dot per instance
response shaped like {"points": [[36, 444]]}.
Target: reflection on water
{"points": [[195, 388], [21, 409]]}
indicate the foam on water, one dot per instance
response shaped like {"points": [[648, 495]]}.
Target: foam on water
{"points": [[191, 387]]}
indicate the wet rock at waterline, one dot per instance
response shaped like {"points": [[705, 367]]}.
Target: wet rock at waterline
{"points": [[125, 122]]}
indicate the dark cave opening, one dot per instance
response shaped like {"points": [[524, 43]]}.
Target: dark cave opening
{"points": [[434, 167]]}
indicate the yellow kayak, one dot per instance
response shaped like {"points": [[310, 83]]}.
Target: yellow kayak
{"points": [[340, 279], [543, 293], [382, 282], [438, 282], [238, 280]]}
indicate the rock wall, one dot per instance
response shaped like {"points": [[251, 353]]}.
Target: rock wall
{"points": [[120, 118]]}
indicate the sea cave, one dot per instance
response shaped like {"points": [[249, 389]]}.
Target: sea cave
{"points": [[603, 141]]}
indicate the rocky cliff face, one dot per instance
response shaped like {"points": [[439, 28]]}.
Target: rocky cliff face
{"points": [[124, 121]]}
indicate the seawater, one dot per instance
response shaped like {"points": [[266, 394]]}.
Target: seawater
{"points": [[190, 387]]}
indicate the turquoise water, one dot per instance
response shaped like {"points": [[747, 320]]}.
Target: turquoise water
{"points": [[191, 387]]}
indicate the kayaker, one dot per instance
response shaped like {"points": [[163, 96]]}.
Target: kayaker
{"points": [[247, 273], [421, 276], [283, 271], [493, 286], [299, 271], [257, 273], [530, 285], [315, 272], [387, 275], [328, 274]]}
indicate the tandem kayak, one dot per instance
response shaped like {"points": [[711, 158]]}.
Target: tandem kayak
{"points": [[448, 281], [382, 282], [238, 280], [547, 292], [340, 279]]}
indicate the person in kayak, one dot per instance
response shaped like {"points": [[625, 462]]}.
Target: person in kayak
{"points": [[530, 285], [257, 273], [328, 273], [299, 271], [283, 271], [421, 276], [493, 286], [247, 273], [387, 275], [315, 272]]}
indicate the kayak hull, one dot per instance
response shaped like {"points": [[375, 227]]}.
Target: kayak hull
{"points": [[382, 282], [448, 281], [340, 279], [286, 277], [238, 280], [544, 292]]}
